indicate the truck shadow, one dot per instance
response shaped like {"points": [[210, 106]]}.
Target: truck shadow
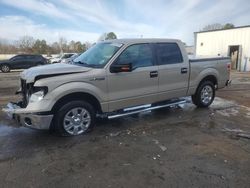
{"points": [[24, 142]]}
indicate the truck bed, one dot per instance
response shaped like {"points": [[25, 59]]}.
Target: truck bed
{"points": [[208, 59], [219, 66]]}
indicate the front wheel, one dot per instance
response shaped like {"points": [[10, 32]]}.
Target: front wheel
{"points": [[204, 95], [74, 118], [5, 68]]}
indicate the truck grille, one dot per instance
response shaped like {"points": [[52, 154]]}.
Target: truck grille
{"points": [[26, 90], [23, 92]]}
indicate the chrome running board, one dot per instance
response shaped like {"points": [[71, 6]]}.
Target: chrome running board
{"points": [[137, 107], [148, 108]]}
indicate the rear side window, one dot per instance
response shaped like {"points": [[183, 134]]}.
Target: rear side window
{"points": [[168, 53], [18, 57], [22, 57], [39, 57], [140, 55], [30, 57]]}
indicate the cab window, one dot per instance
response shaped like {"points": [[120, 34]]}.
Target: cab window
{"points": [[139, 55], [168, 53]]}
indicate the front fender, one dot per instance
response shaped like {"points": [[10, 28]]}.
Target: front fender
{"points": [[47, 103], [73, 87]]}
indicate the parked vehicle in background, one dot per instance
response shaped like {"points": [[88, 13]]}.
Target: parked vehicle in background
{"points": [[60, 57], [70, 59], [113, 79], [22, 61]]}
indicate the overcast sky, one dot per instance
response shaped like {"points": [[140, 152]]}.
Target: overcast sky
{"points": [[86, 20]]}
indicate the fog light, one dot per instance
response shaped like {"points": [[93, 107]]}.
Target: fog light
{"points": [[27, 121]]}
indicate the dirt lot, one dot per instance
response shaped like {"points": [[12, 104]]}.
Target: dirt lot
{"points": [[174, 147]]}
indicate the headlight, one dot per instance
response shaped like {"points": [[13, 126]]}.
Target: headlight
{"points": [[38, 95]]}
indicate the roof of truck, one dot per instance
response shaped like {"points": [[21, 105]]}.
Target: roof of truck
{"points": [[142, 40]]}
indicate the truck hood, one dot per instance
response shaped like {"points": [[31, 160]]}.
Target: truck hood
{"points": [[32, 74]]}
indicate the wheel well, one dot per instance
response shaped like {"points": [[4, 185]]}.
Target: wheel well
{"points": [[78, 96], [210, 78], [5, 64]]}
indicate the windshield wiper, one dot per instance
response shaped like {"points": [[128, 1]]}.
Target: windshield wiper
{"points": [[82, 63], [79, 62], [88, 65]]}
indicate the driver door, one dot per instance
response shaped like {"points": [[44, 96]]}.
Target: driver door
{"points": [[138, 87], [17, 62]]}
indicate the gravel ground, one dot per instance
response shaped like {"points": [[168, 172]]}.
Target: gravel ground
{"points": [[174, 147]]}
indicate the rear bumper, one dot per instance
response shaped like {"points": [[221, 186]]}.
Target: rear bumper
{"points": [[31, 120]]}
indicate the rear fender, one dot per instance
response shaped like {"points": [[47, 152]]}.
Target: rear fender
{"points": [[203, 74]]}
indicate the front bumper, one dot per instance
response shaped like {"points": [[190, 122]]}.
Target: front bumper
{"points": [[31, 120]]}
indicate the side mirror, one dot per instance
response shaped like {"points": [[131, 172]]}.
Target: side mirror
{"points": [[121, 68]]}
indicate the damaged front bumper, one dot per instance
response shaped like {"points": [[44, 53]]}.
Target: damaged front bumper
{"points": [[26, 119]]}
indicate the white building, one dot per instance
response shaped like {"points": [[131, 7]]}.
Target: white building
{"points": [[233, 42]]}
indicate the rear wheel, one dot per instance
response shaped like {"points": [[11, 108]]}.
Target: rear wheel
{"points": [[74, 118], [204, 95], [5, 68]]}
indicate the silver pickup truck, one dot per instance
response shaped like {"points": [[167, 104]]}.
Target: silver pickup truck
{"points": [[113, 79]]}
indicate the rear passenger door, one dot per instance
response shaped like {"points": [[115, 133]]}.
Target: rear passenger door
{"points": [[173, 71], [30, 61], [36, 60]]}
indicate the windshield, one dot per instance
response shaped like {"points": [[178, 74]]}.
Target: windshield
{"points": [[98, 55]]}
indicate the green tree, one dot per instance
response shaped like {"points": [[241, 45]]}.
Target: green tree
{"points": [[107, 36], [40, 47], [212, 27], [228, 26], [111, 35], [218, 26], [79, 47]]}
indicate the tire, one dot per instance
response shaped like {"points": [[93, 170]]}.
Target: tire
{"points": [[69, 119], [5, 68], [204, 95]]}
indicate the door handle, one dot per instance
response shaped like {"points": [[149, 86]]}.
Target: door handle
{"points": [[184, 70], [153, 74]]}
